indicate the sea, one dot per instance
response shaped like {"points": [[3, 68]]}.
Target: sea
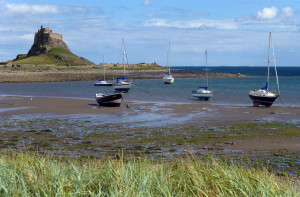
{"points": [[227, 91]]}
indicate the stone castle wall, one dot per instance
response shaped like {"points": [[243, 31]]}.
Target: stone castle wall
{"points": [[46, 33], [55, 36], [44, 40]]}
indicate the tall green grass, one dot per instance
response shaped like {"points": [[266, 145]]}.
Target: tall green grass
{"points": [[29, 174]]}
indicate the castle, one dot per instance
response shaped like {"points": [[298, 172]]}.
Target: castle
{"points": [[47, 33], [44, 40]]}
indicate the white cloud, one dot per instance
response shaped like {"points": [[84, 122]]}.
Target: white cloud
{"points": [[13, 9], [287, 12], [31, 9], [273, 12], [146, 3], [201, 23], [268, 13]]}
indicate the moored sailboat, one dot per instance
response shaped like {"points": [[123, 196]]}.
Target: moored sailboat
{"points": [[203, 93], [121, 84], [103, 82], [263, 96], [168, 78]]}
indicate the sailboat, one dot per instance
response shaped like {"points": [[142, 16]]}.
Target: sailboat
{"points": [[103, 82], [121, 84], [168, 78], [263, 96], [203, 93]]}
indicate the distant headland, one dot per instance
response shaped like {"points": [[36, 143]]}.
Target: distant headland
{"points": [[48, 49]]}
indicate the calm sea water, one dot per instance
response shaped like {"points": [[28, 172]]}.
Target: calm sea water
{"points": [[227, 91], [246, 70]]}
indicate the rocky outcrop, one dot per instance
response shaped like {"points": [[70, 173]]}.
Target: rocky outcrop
{"points": [[44, 40]]}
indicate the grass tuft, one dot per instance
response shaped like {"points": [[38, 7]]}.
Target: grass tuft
{"points": [[31, 174]]}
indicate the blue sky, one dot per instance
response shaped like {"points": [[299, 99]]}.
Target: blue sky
{"points": [[235, 32]]}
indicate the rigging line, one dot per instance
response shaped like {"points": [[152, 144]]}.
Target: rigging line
{"points": [[125, 59], [282, 102], [140, 89], [206, 68], [270, 39], [275, 69]]}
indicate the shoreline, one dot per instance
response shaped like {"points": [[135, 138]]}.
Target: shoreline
{"points": [[27, 76]]}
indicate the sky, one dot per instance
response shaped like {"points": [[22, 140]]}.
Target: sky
{"points": [[234, 32]]}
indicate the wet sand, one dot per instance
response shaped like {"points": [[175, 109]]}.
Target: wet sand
{"points": [[80, 128], [167, 115], [201, 113]]}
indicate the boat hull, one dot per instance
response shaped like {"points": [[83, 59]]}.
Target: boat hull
{"points": [[112, 100], [122, 87], [202, 93], [98, 84], [168, 80], [262, 100], [203, 97], [103, 83]]}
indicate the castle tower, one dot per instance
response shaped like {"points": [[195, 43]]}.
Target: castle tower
{"points": [[44, 40]]}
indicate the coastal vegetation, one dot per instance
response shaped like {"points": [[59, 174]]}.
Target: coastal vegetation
{"points": [[18, 73], [55, 56], [33, 174], [99, 68]]}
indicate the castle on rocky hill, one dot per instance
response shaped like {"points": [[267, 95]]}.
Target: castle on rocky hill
{"points": [[44, 40]]}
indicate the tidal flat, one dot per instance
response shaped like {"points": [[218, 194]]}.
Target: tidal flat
{"points": [[181, 149], [66, 127], [273, 145]]}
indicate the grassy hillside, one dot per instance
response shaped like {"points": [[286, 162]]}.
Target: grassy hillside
{"points": [[56, 56]]}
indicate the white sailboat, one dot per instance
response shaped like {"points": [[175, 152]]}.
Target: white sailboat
{"points": [[168, 78], [263, 96], [203, 93], [103, 82], [121, 84]]}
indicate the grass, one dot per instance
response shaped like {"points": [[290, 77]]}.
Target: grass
{"points": [[63, 59], [31, 174], [56, 56], [132, 67]]}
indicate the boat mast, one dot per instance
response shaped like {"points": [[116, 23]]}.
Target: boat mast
{"points": [[169, 59], [206, 68], [103, 66], [124, 55], [269, 62]]}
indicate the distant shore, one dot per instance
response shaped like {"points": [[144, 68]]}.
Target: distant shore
{"points": [[23, 76]]}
